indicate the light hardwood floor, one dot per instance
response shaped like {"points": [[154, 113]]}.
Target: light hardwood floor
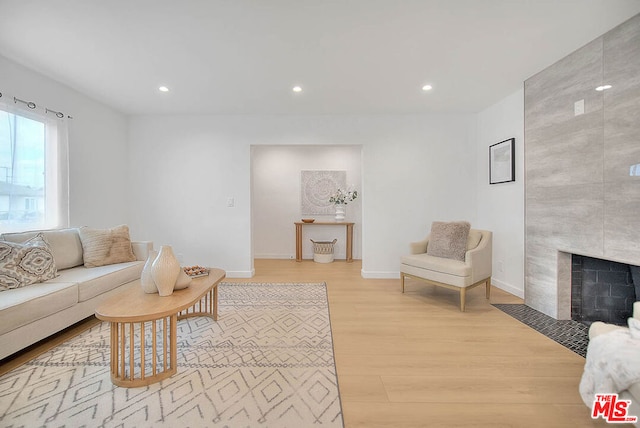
{"points": [[414, 360]]}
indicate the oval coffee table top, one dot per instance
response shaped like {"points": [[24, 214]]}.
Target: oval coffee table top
{"points": [[134, 305]]}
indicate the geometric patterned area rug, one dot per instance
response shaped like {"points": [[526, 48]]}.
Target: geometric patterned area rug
{"points": [[267, 362], [571, 334]]}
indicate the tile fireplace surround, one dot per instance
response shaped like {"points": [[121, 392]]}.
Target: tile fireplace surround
{"points": [[582, 186]]}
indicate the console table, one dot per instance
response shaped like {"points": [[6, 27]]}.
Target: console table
{"points": [[349, 226]]}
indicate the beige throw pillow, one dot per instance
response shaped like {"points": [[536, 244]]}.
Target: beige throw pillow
{"points": [[448, 240], [26, 263], [106, 246]]}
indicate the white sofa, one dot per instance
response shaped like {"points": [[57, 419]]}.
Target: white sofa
{"points": [[598, 329], [32, 313]]}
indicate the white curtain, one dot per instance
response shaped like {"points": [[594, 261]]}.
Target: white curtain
{"points": [[34, 170]]}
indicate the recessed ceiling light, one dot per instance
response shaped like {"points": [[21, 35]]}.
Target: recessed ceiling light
{"points": [[427, 88], [163, 89], [297, 89], [603, 87]]}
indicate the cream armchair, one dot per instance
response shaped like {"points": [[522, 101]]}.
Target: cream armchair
{"points": [[453, 274]]}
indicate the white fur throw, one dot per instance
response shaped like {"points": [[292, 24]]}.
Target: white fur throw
{"points": [[612, 364], [448, 240]]}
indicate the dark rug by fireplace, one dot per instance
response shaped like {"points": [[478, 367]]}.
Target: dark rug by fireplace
{"points": [[570, 334]]}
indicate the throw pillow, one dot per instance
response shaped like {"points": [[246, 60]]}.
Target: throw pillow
{"points": [[64, 243], [26, 263], [448, 240], [106, 246]]}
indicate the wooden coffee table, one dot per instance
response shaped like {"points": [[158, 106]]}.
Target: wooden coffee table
{"points": [[137, 361]]}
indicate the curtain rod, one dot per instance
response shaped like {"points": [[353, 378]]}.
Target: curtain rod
{"points": [[33, 105]]}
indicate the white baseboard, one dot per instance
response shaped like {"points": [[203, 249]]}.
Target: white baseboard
{"points": [[274, 256], [379, 274], [507, 287], [241, 273]]}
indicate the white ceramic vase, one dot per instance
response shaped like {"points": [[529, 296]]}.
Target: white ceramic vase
{"points": [[340, 211], [146, 280], [183, 280], [165, 270]]}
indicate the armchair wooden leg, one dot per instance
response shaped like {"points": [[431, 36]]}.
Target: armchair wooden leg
{"points": [[402, 281], [488, 288], [463, 293]]}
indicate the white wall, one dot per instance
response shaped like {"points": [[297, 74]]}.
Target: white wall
{"points": [[501, 206], [276, 193], [97, 146], [416, 169], [172, 185]]}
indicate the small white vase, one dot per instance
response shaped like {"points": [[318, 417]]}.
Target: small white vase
{"points": [[183, 280], [340, 211], [165, 270], [146, 280]]}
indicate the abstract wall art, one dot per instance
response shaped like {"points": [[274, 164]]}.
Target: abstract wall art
{"points": [[316, 189]]}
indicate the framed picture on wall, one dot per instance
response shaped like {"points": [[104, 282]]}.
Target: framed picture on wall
{"points": [[502, 162], [316, 189]]}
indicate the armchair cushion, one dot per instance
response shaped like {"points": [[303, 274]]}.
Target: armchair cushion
{"points": [[437, 264], [448, 240]]}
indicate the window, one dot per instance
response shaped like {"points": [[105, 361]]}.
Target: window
{"points": [[30, 204], [33, 170]]}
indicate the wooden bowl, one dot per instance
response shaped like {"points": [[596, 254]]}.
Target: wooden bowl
{"points": [[308, 220]]}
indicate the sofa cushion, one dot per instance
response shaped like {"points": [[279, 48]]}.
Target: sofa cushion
{"points": [[24, 305], [25, 264], [106, 246], [448, 239], [95, 281], [65, 245], [437, 264]]}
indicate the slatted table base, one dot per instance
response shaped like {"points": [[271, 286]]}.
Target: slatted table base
{"points": [[128, 340], [144, 334], [206, 307]]}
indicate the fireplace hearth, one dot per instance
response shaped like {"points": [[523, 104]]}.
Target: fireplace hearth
{"points": [[602, 290]]}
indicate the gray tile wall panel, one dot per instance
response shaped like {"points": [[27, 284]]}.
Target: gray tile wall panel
{"points": [[550, 94], [622, 144], [622, 222], [566, 154], [579, 196]]}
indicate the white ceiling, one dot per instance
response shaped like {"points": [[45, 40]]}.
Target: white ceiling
{"points": [[350, 56]]}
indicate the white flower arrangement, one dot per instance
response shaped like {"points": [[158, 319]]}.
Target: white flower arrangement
{"points": [[343, 197]]}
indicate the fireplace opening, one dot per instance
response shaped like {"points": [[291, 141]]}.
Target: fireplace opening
{"points": [[603, 290]]}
